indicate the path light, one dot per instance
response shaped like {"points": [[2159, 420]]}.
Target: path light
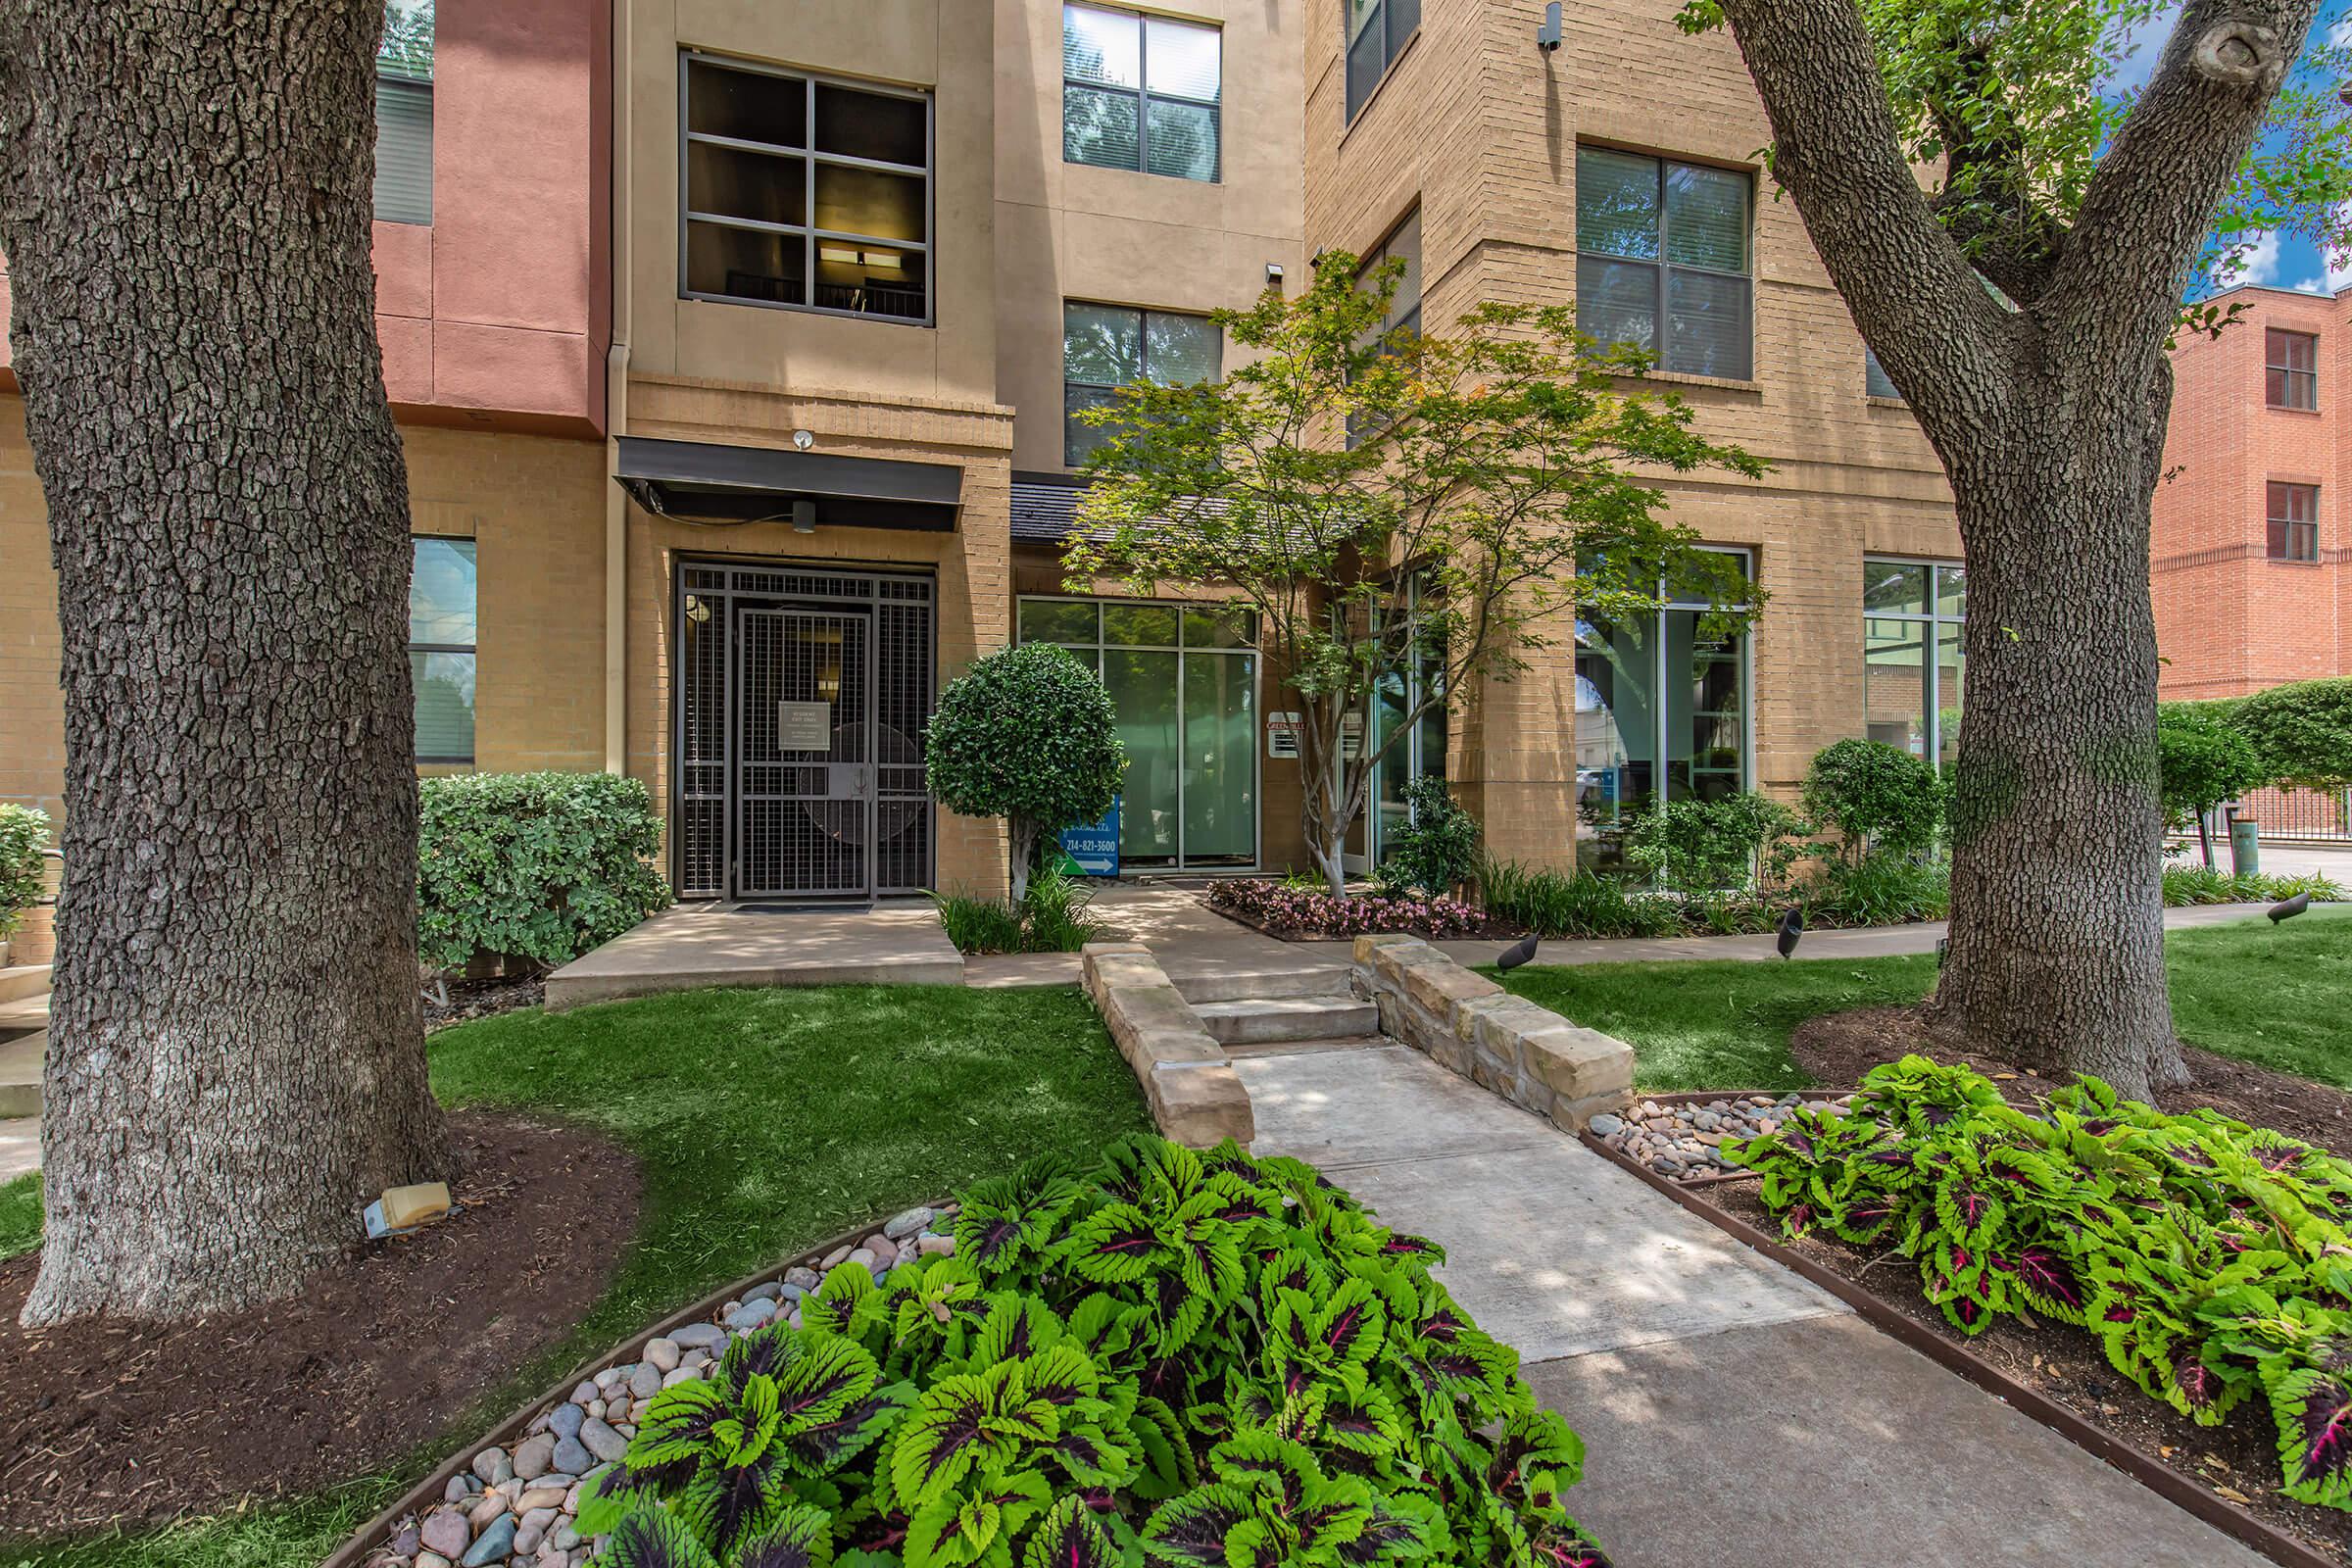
{"points": [[2288, 909], [1792, 926], [1518, 953]]}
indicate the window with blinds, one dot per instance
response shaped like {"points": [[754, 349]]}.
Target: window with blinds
{"points": [[441, 648], [2292, 370], [1140, 92], [1404, 306], [2293, 522], [1876, 383], [404, 114], [1663, 261], [1377, 33], [1106, 347]]}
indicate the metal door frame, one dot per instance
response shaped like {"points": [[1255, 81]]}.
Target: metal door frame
{"points": [[720, 583], [739, 795]]}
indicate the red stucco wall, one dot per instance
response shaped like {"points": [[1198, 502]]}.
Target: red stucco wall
{"points": [[498, 314]]}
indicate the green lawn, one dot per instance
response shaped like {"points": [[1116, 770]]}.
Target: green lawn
{"points": [[19, 1215], [2273, 996], [765, 1122]]}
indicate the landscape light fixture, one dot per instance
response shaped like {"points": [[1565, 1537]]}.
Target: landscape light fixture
{"points": [[804, 516], [1273, 275], [1518, 953], [2288, 909], [1548, 36], [1792, 928]]}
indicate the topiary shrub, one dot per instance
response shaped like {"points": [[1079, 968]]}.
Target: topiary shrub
{"points": [[538, 865], [2303, 731], [1192, 1360], [2201, 761], [1871, 794], [23, 834], [1436, 848], [1702, 849], [1027, 734]]}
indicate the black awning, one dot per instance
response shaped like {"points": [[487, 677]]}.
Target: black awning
{"points": [[703, 481]]}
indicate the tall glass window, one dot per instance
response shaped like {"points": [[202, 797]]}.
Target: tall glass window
{"points": [[1661, 713], [1140, 92], [404, 114], [1377, 33], [1421, 753], [441, 648], [1913, 661], [1106, 347], [1183, 682], [1662, 259], [1404, 306]]}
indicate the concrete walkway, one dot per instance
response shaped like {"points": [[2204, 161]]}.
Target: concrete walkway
{"points": [[20, 1146], [1733, 1413], [695, 945]]}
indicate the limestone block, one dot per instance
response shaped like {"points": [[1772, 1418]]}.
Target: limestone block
{"points": [[1580, 1065], [1199, 1104], [1438, 986]]}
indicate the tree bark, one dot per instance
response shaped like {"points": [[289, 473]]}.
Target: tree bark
{"points": [[2051, 422], [236, 1061]]}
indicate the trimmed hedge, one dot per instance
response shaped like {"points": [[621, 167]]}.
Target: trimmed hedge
{"points": [[24, 833], [2303, 730], [538, 865]]}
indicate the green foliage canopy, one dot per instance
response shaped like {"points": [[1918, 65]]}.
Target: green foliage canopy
{"points": [[2302, 730], [23, 835], [2201, 762], [541, 865], [1434, 850], [1873, 793], [1189, 1359], [1400, 510]]}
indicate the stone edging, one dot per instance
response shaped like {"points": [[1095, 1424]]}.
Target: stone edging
{"points": [[1466, 1023], [371, 1536], [1195, 1097]]}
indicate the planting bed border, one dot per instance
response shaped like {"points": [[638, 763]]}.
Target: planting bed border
{"points": [[427, 1492], [2144, 1468]]}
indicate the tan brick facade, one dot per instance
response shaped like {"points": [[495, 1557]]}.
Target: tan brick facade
{"points": [[1479, 129], [2228, 618]]}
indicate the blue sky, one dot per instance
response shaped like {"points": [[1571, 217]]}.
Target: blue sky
{"points": [[2280, 261]]}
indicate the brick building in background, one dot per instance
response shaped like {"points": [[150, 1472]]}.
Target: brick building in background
{"points": [[2251, 559], [736, 350]]}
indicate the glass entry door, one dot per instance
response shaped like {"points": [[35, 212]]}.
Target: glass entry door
{"points": [[1183, 682]]}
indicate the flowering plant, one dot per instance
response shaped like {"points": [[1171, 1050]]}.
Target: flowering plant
{"points": [[1278, 906]]}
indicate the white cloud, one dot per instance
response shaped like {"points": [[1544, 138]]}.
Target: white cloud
{"points": [[2312, 285], [2259, 262], [2339, 262]]}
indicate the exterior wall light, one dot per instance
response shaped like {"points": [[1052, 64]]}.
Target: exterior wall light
{"points": [[1548, 36]]}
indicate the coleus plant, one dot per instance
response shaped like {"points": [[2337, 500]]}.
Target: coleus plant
{"points": [[2210, 1257], [1176, 1358]]}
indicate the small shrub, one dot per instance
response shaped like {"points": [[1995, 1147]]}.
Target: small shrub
{"points": [[1436, 850], [1702, 849], [1028, 734], [2206, 1255], [1279, 906], [2302, 731], [1874, 795], [539, 865], [1177, 1358], [23, 834], [1884, 888], [1556, 904], [2200, 763], [1050, 917], [2185, 885]]}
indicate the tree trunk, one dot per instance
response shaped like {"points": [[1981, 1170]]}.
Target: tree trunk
{"points": [[236, 1061], [2057, 931], [1024, 835]]}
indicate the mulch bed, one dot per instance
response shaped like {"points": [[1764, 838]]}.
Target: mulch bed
{"points": [[480, 998], [1841, 1048], [2237, 1460], [112, 1422]]}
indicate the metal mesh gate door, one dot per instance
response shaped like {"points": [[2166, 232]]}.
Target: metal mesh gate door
{"points": [[804, 764]]}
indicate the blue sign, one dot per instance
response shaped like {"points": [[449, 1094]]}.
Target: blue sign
{"points": [[1095, 848]]}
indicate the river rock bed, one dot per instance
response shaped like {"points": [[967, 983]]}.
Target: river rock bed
{"points": [[513, 1505], [1684, 1140]]}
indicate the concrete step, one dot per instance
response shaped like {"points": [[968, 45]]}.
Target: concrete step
{"points": [[1246, 1049], [1229, 983], [1256, 1018], [25, 1015], [21, 1075], [18, 981]]}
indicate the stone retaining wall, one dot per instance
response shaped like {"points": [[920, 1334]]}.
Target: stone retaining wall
{"points": [[1194, 1095], [1529, 1055]]}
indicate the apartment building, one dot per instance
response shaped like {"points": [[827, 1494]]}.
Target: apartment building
{"points": [[2252, 566], [739, 350]]}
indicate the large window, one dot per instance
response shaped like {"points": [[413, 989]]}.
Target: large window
{"points": [[1875, 380], [2292, 365], [1140, 92], [1661, 713], [404, 114], [1183, 679], [2294, 521], [1912, 659], [804, 192], [1404, 306], [1106, 347], [1377, 33], [1662, 259], [441, 631]]}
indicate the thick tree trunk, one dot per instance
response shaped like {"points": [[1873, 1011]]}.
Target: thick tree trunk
{"points": [[2057, 945], [236, 1061]]}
